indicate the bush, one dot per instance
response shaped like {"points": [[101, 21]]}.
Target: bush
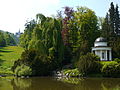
{"points": [[117, 60], [23, 70], [111, 69], [71, 72], [89, 64], [41, 65]]}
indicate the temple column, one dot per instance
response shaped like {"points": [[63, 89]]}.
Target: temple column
{"points": [[101, 55], [106, 55], [110, 55]]}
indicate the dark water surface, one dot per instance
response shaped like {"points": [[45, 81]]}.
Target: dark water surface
{"points": [[48, 83]]}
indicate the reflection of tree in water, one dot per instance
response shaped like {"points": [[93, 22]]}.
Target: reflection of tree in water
{"points": [[69, 80], [39, 84], [89, 84], [46, 83], [111, 84], [21, 84], [94, 84]]}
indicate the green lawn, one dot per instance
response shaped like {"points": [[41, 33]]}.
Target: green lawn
{"points": [[7, 57]]}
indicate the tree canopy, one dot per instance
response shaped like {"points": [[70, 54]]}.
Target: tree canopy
{"points": [[7, 39], [111, 29]]}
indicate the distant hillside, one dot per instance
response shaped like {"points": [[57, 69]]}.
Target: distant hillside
{"points": [[7, 39]]}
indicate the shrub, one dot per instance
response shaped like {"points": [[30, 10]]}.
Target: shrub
{"points": [[71, 72], [26, 58], [88, 64], [41, 65], [111, 69], [23, 70], [117, 60]]}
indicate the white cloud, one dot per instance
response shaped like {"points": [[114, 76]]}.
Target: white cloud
{"points": [[14, 13]]}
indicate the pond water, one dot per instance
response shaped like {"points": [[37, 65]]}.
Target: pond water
{"points": [[48, 83]]}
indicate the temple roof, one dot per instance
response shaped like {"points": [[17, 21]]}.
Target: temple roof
{"points": [[100, 39]]}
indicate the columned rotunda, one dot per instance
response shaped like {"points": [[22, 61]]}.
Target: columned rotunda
{"points": [[102, 50]]}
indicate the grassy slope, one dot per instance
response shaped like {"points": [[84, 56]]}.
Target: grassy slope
{"points": [[7, 57]]}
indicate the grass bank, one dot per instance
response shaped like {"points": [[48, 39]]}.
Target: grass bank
{"points": [[7, 57]]}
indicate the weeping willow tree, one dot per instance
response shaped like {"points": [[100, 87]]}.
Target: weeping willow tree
{"points": [[27, 36], [44, 35]]}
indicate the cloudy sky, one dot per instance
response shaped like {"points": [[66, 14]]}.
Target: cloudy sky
{"points": [[14, 13]]}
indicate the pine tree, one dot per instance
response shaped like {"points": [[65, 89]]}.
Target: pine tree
{"points": [[111, 25], [111, 29], [117, 21], [112, 19]]}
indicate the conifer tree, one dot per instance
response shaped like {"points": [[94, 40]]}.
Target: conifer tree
{"points": [[111, 29], [117, 21], [112, 19]]}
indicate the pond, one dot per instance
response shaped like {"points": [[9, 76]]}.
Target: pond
{"points": [[49, 83]]}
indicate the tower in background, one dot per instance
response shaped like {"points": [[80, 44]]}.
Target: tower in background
{"points": [[18, 34]]}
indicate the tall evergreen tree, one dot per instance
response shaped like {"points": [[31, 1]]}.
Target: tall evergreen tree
{"points": [[111, 29], [111, 25], [112, 19], [117, 21]]}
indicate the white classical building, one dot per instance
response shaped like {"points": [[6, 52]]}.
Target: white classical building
{"points": [[102, 50]]}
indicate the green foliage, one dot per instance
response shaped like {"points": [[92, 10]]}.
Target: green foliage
{"points": [[45, 35], [41, 65], [6, 39], [26, 37], [23, 70], [45, 47], [88, 64], [26, 58], [83, 31], [115, 47], [110, 29], [111, 69], [117, 60], [71, 72], [2, 40], [10, 41]]}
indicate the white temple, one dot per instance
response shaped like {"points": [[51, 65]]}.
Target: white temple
{"points": [[102, 50]]}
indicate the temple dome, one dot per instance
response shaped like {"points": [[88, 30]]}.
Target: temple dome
{"points": [[100, 39], [100, 42]]}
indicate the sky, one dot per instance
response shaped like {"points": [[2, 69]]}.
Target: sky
{"points": [[15, 13]]}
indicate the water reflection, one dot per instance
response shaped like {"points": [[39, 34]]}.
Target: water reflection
{"points": [[20, 83], [48, 83], [37, 83], [94, 83]]}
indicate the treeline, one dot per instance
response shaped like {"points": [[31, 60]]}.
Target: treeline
{"points": [[111, 29], [52, 43], [7, 39]]}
